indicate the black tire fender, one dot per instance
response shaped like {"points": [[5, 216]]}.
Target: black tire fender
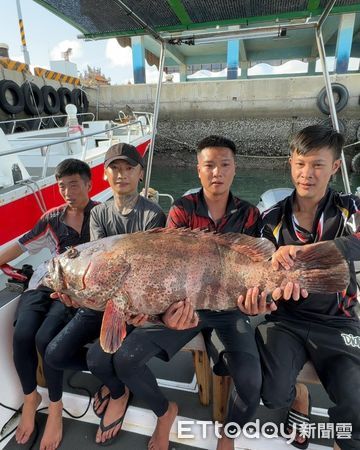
{"points": [[80, 100], [341, 97], [358, 133], [355, 163], [20, 127], [51, 100], [328, 122], [34, 100], [9, 86], [64, 97]]}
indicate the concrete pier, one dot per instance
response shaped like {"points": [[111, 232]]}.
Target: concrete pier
{"points": [[260, 115]]}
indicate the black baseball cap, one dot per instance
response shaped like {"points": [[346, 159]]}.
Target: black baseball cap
{"points": [[123, 151]]}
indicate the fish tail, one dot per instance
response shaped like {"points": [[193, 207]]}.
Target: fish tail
{"points": [[323, 269], [113, 328]]}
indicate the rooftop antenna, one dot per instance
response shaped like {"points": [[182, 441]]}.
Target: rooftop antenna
{"points": [[66, 54], [22, 34]]}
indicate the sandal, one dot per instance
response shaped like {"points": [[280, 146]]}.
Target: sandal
{"points": [[112, 425], [102, 399], [301, 422]]}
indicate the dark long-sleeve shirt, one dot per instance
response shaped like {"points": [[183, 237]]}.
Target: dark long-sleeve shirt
{"points": [[337, 218]]}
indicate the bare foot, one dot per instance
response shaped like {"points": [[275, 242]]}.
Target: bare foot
{"points": [[225, 443], [160, 438], [301, 404], [53, 430], [27, 421], [114, 410]]}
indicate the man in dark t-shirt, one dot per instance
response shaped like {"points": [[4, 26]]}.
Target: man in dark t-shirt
{"points": [[322, 328], [127, 212], [213, 208], [39, 318]]}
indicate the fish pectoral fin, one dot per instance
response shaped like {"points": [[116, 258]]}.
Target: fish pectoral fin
{"points": [[113, 327]]}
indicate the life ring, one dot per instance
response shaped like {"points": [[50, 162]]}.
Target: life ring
{"points": [[80, 100], [64, 97], [34, 100], [15, 107], [51, 100], [341, 97], [355, 163]]}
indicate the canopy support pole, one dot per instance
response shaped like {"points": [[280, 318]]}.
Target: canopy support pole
{"points": [[155, 121], [330, 96]]}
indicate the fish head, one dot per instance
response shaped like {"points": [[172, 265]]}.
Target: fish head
{"points": [[66, 272]]}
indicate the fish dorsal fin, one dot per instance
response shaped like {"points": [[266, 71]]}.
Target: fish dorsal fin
{"points": [[257, 249]]}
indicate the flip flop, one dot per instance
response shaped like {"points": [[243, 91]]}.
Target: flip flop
{"points": [[102, 399], [300, 422], [112, 425]]}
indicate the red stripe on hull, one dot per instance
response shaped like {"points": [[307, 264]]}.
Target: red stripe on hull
{"points": [[19, 216]]}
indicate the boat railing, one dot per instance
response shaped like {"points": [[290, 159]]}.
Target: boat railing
{"points": [[43, 121], [45, 147]]}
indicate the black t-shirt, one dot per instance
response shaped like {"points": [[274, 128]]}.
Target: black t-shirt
{"points": [[53, 233], [337, 218]]}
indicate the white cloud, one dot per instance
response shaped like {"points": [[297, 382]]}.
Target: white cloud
{"points": [[118, 56], [75, 45]]}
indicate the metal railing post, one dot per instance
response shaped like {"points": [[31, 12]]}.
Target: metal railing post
{"points": [[155, 119], [330, 96]]}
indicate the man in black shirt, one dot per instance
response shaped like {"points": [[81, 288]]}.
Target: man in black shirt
{"points": [[128, 212], [322, 328], [39, 318]]}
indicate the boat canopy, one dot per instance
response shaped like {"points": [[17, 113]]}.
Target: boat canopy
{"points": [[114, 18]]}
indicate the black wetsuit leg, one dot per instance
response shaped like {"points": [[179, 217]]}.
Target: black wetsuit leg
{"points": [[34, 329], [283, 354], [67, 350], [335, 353], [24, 349], [128, 364], [241, 357]]}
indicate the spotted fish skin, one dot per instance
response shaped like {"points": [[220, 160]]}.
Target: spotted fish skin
{"points": [[146, 272]]}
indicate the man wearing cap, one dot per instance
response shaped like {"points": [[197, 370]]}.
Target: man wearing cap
{"points": [[128, 212]]}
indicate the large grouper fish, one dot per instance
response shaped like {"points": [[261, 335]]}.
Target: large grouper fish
{"points": [[146, 272]]}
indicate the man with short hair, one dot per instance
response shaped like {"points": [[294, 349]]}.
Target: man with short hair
{"points": [[322, 328], [216, 209], [128, 212], [39, 318]]}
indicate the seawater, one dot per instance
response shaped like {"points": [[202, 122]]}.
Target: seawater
{"points": [[248, 184]]}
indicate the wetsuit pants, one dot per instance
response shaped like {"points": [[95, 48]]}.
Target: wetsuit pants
{"points": [[38, 320], [128, 364], [284, 348], [67, 350]]}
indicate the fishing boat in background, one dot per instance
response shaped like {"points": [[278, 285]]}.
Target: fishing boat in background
{"points": [[27, 162]]}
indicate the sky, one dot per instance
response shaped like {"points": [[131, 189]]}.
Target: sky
{"points": [[47, 36]]}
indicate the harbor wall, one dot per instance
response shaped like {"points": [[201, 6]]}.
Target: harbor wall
{"points": [[260, 115]]}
